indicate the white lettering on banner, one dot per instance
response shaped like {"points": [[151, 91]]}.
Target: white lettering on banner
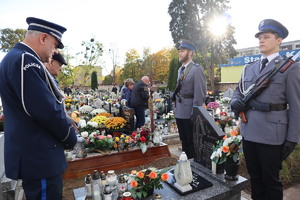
{"points": [[31, 65], [249, 59], [288, 54]]}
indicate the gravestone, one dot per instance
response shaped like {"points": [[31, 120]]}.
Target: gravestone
{"points": [[128, 114], [206, 133]]}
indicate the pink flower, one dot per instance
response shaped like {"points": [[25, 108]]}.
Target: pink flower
{"points": [[109, 136], [101, 137]]}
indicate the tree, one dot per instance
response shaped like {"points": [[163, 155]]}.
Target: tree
{"points": [[173, 69], [93, 51], [191, 20], [114, 58], [9, 37], [132, 66], [108, 80], [94, 81]]}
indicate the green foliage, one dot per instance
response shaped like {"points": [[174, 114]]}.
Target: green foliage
{"points": [[191, 20], [9, 37], [94, 81], [290, 172], [173, 73], [132, 67], [108, 80]]}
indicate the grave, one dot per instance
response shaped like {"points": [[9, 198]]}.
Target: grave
{"points": [[206, 133], [7, 186]]}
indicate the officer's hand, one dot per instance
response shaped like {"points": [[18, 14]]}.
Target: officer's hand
{"points": [[288, 148], [238, 105]]}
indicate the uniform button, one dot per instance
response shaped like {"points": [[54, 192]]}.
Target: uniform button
{"points": [[55, 145]]}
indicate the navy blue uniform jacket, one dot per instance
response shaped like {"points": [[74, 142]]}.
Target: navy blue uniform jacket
{"points": [[36, 127]]}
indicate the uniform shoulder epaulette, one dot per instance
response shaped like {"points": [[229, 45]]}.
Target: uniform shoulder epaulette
{"points": [[197, 64]]}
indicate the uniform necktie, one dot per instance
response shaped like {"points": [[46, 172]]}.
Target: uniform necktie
{"points": [[263, 63], [182, 70]]}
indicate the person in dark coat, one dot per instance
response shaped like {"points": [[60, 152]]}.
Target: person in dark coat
{"points": [[128, 94], [114, 89], [139, 100], [37, 130]]}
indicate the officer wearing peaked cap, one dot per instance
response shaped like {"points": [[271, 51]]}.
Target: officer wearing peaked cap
{"points": [[36, 127], [192, 93], [272, 130]]}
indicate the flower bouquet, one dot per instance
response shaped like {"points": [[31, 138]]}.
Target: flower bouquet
{"points": [[97, 142], [168, 116], [225, 119], [121, 143], [106, 114], [228, 147], [144, 182], [141, 137], [213, 105]]}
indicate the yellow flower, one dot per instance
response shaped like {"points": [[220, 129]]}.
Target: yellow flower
{"points": [[117, 139], [115, 145]]}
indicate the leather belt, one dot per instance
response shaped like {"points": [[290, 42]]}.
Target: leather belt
{"points": [[278, 107], [187, 96], [266, 107]]}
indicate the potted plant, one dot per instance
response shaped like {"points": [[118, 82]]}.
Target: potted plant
{"points": [[141, 137], [115, 125]]}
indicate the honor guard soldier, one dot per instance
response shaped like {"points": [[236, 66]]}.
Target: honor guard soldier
{"points": [[272, 129], [190, 91], [36, 127]]}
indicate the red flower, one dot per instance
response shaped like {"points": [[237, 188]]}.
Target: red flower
{"points": [[143, 139], [144, 133], [133, 134]]}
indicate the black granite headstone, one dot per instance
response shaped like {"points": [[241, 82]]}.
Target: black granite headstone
{"points": [[128, 114], [206, 133]]}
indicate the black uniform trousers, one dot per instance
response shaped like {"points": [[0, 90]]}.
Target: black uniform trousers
{"points": [[185, 129], [43, 189], [263, 164]]}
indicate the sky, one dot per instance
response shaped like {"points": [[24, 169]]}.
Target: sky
{"points": [[125, 24]]}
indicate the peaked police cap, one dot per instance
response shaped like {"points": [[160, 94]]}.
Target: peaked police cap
{"points": [[185, 44], [47, 27], [59, 58], [272, 26]]}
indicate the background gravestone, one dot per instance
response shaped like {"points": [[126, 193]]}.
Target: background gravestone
{"points": [[206, 133]]}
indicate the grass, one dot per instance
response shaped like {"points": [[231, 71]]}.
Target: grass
{"points": [[290, 172]]}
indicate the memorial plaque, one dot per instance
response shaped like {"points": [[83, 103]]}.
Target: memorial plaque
{"points": [[206, 133]]}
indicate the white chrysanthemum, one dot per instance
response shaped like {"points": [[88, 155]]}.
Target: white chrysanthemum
{"points": [[93, 124], [98, 111], [85, 109], [82, 123], [219, 153], [84, 134]]}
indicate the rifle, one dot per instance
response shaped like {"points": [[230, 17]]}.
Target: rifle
{"points": [[255, 89], [177, 89]]}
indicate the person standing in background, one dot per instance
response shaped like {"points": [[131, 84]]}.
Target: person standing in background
{"points": [[139, 100], [192, 93]]}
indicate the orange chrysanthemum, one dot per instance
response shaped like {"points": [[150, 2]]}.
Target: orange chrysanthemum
{"points": [[233, 133], [225, 149], [133, 184], [153, 175], [225, 137], [164, 177], [140, 174]]}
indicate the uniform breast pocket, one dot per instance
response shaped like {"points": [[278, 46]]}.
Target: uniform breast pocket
{"points": [[248, 81], [276, 87]]}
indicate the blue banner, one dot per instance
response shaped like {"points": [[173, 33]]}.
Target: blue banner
{"points": [[237, 61]]}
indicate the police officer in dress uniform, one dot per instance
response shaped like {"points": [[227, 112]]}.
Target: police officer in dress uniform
{"points": [[272, 130], [192, 93], [36, 127]]}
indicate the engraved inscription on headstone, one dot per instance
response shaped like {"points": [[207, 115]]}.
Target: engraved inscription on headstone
{"points": [[206, 132]]}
